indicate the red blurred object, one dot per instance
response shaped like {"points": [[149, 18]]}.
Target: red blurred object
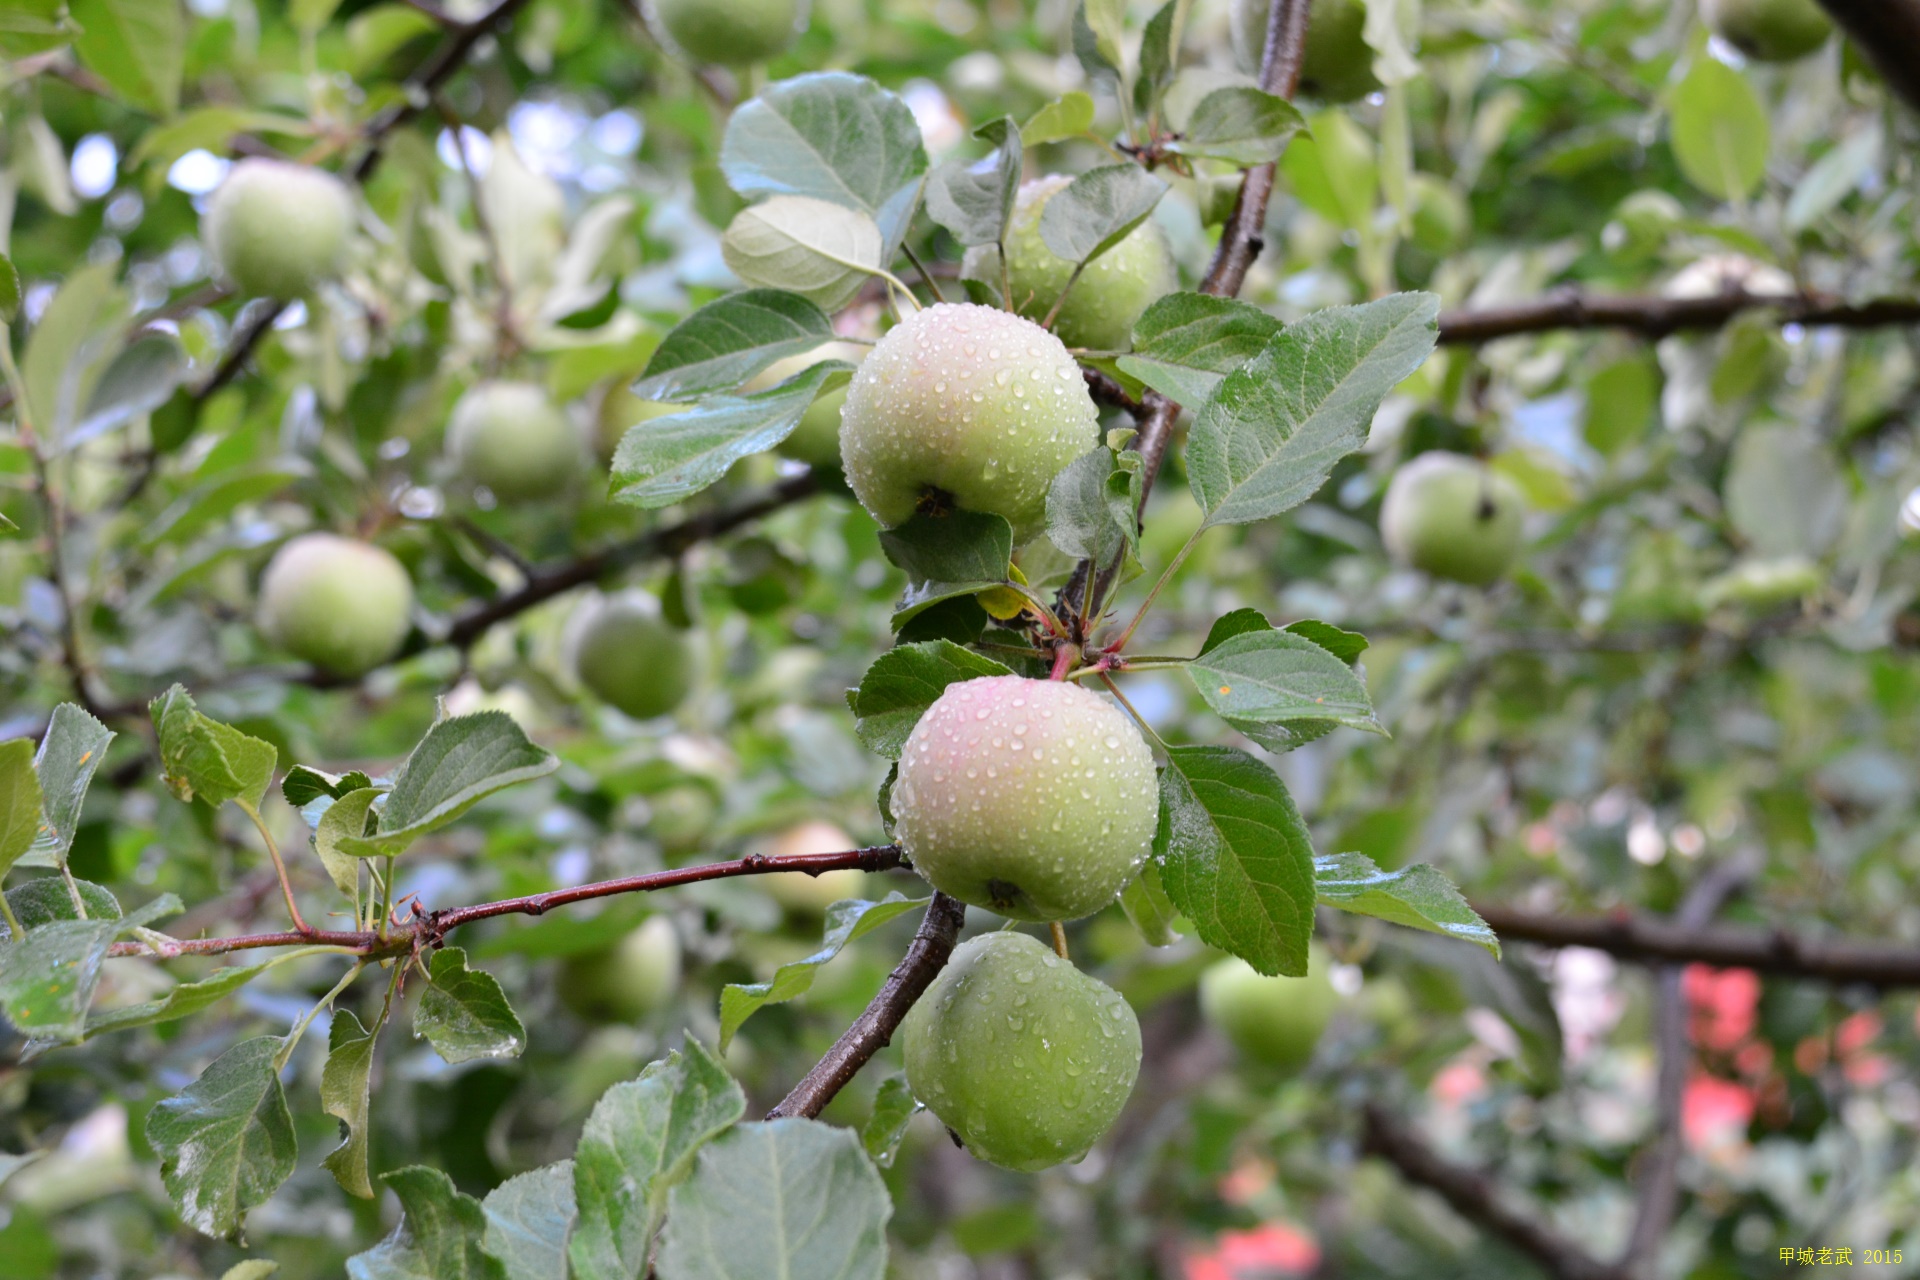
{"points": [[1715, 1112], [1272, 1251], [1723, 1003]]}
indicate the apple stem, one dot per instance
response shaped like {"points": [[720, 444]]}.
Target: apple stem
{"points": [[1059, 939]]}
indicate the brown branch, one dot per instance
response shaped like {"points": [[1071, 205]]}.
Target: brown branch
{"points": [[1477, 1197], [1652, 316], [429, 929], [417, 93], [873, 1029], [1108, 391], [1653, 940], [1887, 32], [239, 351], [1659, 1174]]}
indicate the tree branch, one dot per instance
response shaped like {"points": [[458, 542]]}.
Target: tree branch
{"points": [[1652, 316], [1888, 33], [873, 1029], [1659, 1175], [1477, 1197], [1652, 940], [429, 929]]}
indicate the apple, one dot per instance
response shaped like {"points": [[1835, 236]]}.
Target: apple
{"points": [[1768, 30], [1337, 64], [967, 406], [1025, 1058], [1277, 1021], [339, 603], [629, 656], [1109, 295], [1033, 798], [628, 980], [1454, 517], [277, 229], [805, 895], [730, 33], [509, 437]]}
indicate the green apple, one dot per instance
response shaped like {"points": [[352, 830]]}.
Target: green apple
{"points": [[1337, 64], [621, 410], [341, 604], [805, 895], [729, 32], [628, 980], [1109, 295], [277, 229], [1768, 30], [509, 437], [629, 656], [816, 441], [1025, 1058], [1454, 517], [1277, 1021], [1034, 798], [967, 406]]}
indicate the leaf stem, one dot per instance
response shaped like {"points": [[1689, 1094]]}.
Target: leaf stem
{"points": [[1166, 576], [925, 274], [14, 931], [1138, 719], [1054, 312], [299, 1031], [279, 865]]}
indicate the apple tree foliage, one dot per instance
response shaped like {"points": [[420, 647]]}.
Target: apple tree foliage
{"points": [[282, 976]]}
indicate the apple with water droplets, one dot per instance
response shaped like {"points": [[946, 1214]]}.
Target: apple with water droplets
{"points": [[1768, 30], [964, 406], [277, 229], [1110, 294], [1454, 517], [1277, 1021], [339, 603], [629, 656], [628, 980], [1025, 1058], [1033, 798], [511, 438]]}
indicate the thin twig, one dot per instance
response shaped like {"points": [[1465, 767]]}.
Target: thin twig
{"points": [[873, 1029], [1651, 316]]}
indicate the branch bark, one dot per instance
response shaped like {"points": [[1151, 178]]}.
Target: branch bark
{"points": [[873, 1029], [1652, 316], [1652, 940], [1887, 32], [1477, 1197]]}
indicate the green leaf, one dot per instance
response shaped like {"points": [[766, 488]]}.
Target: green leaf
{"points": [[945, 556], [28, 27], [9, 274], [190, 998], [47, 899], [202, 757], [1720, 136], [1241, 125], [791, 1198], [1185, 343], [20, 814], [74, 336], [1418, 897], [311, 15], [1068, 116], [342, 821], [832, 136], [1107, 20], [665, 460], [728, 341], [1146, 904], [903, 682], [345, 1084], [528, 1221], [1158, 56], [251, 1269], [48, 977], [1834, 176], [1277, 425], [461, 761], [1238, 623], [846, 922], [137, 46], [974, 198], [1081, 520], [1098, 209], [464, 1014], [138, 380], [74, 746], [894, 1107], [1342, 644], [1274, 677], [1235, 857], [303, 784], [640, 1140], [226, 1141], [439, 1236], [818, 249]]}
